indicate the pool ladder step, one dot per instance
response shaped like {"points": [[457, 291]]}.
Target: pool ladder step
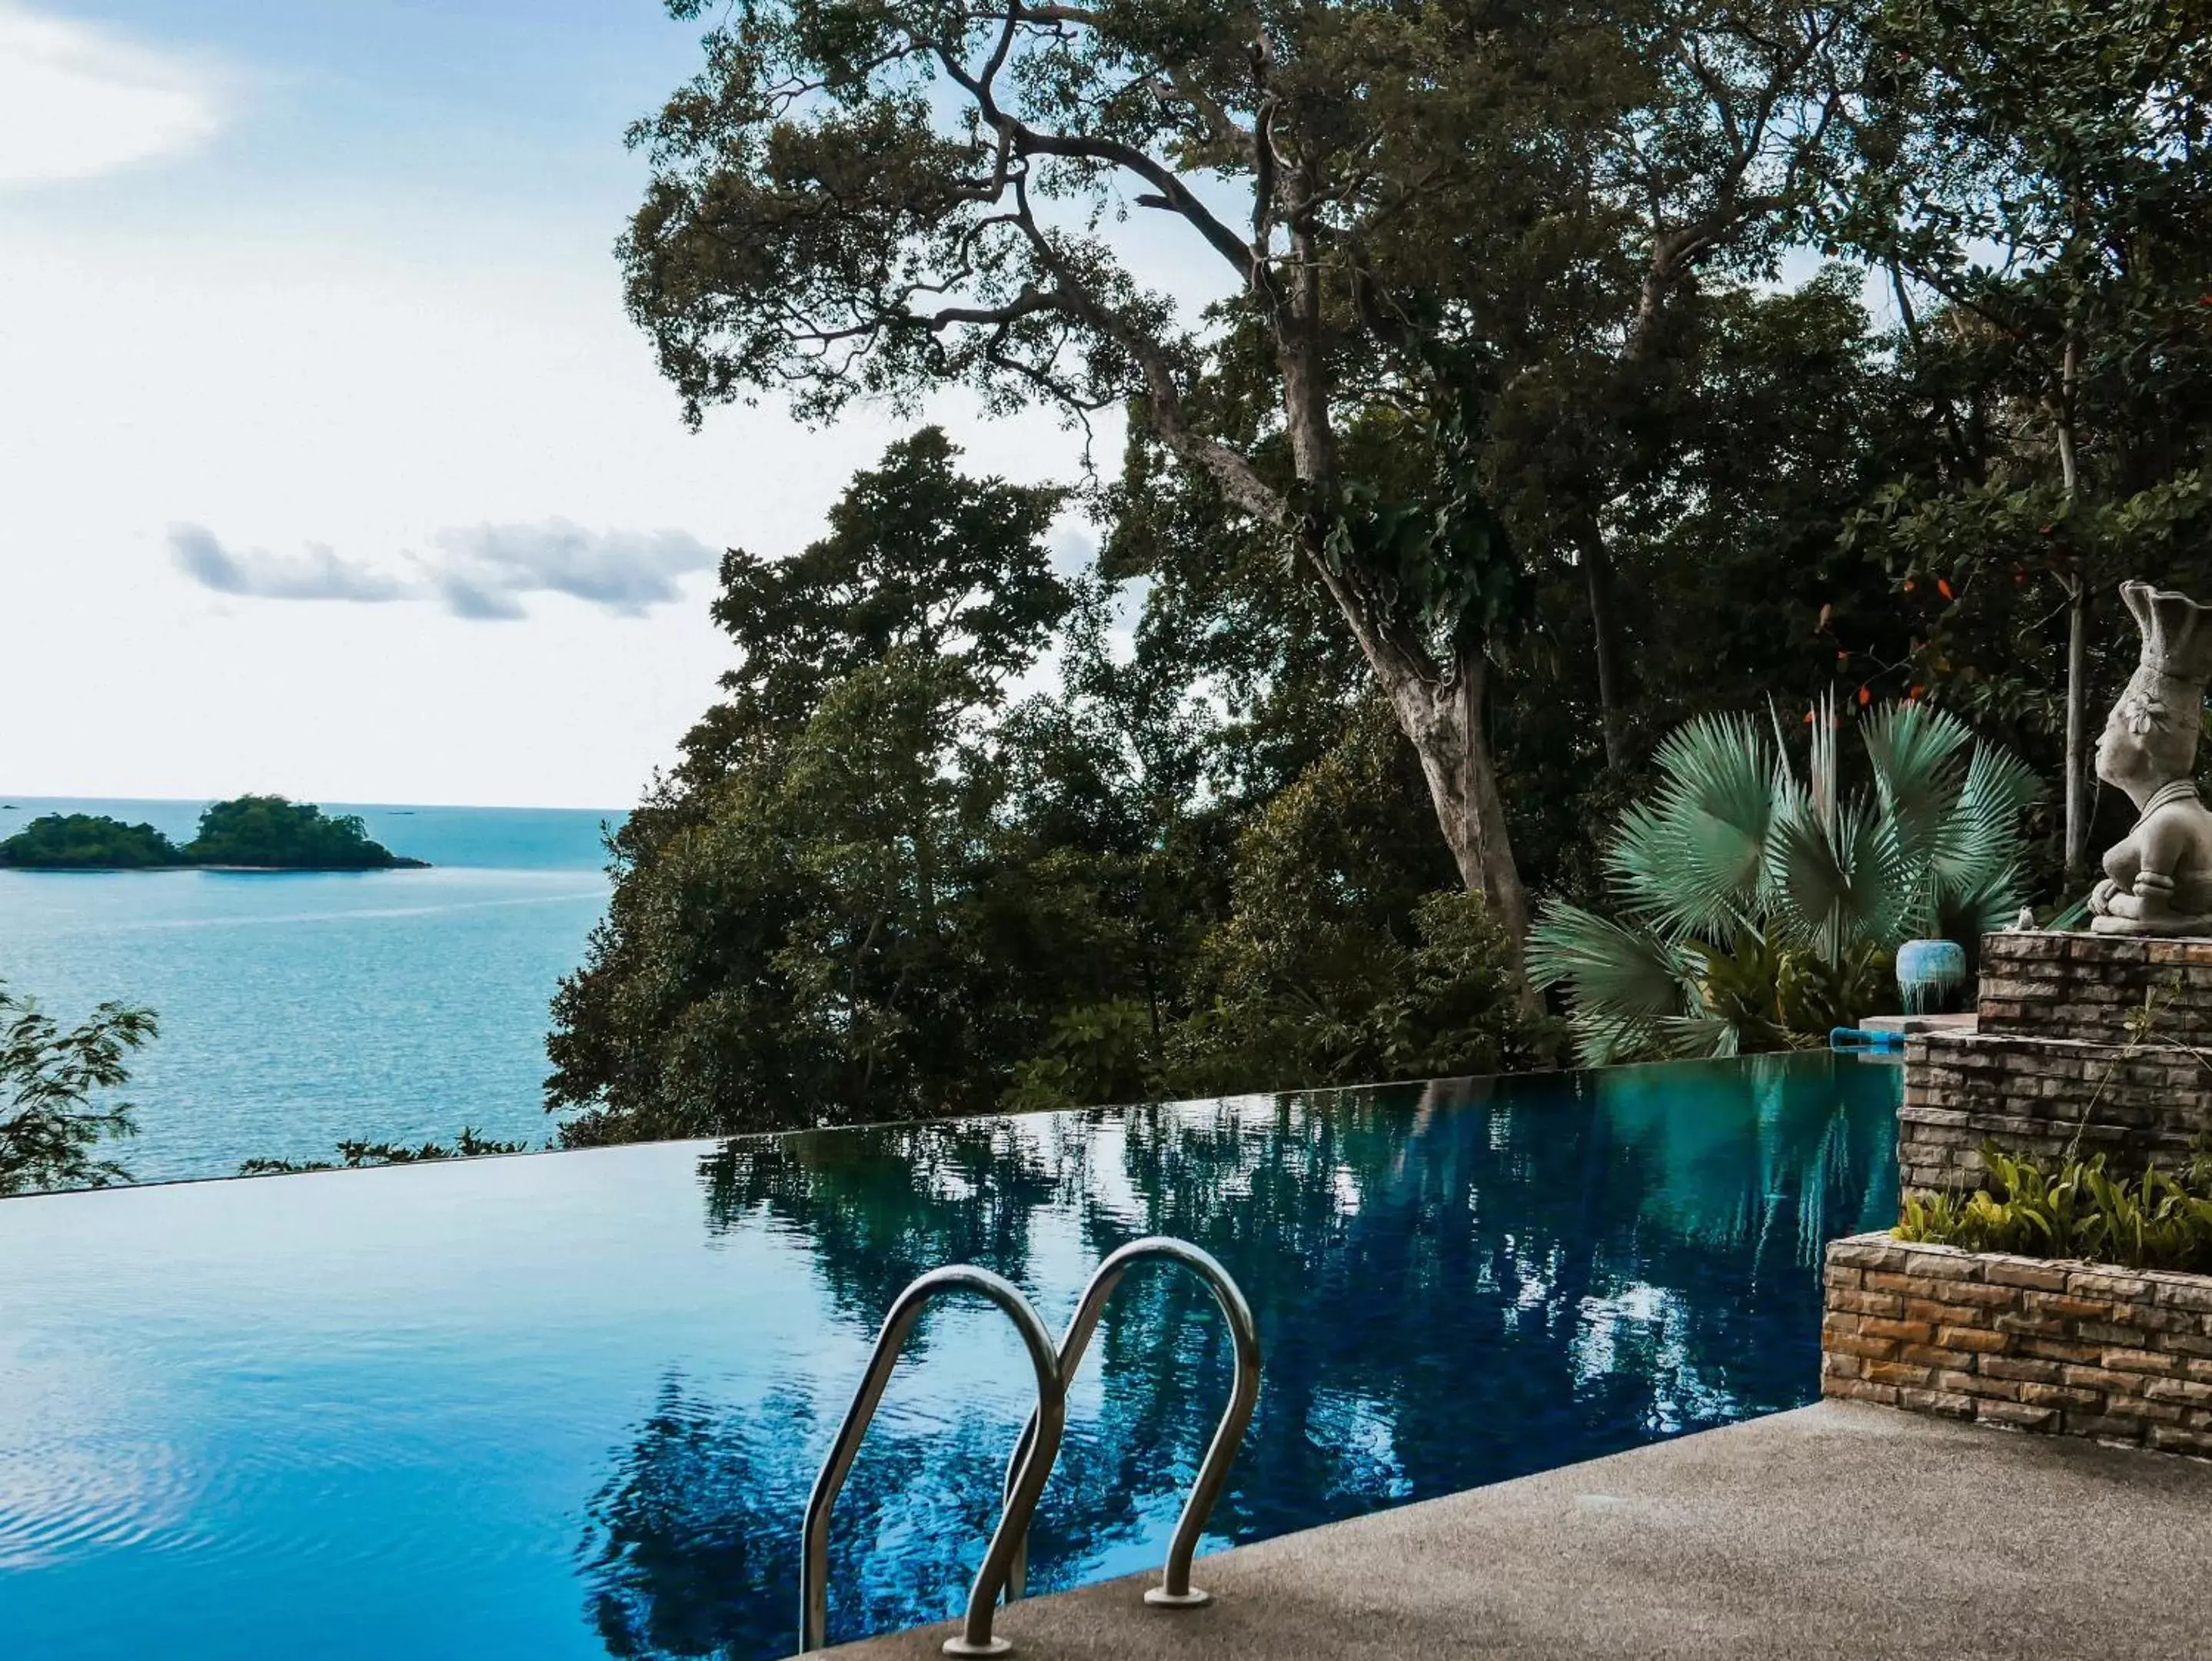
{"points": [[1005, 1559]]}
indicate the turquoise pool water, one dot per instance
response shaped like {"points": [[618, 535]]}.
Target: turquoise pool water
{"points": [[569, 1405], [302, 1008]]}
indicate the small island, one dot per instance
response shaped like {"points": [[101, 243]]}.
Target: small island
{"points": [[246, 833]]}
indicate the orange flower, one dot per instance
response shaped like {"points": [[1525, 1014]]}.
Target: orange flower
{"points": [[1944, 589], [1915, 694], [1910, 584], [1865, 696]]}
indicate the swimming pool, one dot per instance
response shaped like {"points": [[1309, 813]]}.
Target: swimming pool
{"points": [[569, 1405]]}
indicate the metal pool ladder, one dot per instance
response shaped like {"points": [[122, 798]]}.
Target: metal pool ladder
{"points": [[1006, 1560]]}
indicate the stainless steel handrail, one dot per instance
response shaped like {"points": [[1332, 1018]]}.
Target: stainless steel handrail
{"points": [[1042, 1435], [1175, 1590]]}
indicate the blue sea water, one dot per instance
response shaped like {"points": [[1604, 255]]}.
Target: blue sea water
{"points": [[569, 1405], [300, 1008]]}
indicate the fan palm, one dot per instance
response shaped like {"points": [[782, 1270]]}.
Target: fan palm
{"points": [[1755, 909]]}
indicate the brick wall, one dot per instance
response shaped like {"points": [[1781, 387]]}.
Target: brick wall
{"points": [[2033, 1095], [2047, 985], [2065, 1349]]}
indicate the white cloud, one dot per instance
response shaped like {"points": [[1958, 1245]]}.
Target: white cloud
{"points": [[319, 573], [481, 571], [77, 100], [487, 568]]}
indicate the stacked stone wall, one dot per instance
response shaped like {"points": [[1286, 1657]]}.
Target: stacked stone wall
{"points": [[2064, 1348], [2090, 987], [2087, 1041], [2042, 1096]]}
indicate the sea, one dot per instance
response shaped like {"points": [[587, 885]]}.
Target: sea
{"points": [[299, 1009]]}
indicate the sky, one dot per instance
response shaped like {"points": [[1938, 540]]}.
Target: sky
{"points": [[329, 462]]}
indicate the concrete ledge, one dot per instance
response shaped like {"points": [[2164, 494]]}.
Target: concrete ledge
{"points": [[1838, 1530], [1906, 1026]]}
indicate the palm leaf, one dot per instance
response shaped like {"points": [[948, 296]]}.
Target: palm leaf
{"points": [[1975, 859], [1692, 862], [1839, 882], [1621, 982], [1916, 752]]}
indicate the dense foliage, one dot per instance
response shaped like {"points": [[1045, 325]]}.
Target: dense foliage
{"points": [[271, 832], [2074, 1207], [1755, 910], [262, 832], [88, 841], [1575, 374], [55, 1111], [882, 885]]}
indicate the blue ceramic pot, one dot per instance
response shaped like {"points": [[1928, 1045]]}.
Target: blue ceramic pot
{"points": [[1931, 976]]}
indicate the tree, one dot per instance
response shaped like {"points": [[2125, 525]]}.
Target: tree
{"points": [[879, 199], [2031, 174], [54, 1122], [86, 842], [810, 919], [271, 831], [1345, 959], [1649, 159]]}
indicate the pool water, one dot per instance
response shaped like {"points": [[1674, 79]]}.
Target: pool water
{"points": [[569, 1405]]}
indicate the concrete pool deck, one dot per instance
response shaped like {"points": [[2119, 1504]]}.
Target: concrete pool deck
{"points": [[1839, 1529]]}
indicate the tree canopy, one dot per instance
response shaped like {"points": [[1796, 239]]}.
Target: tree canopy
{"points": [[88, 841], [270, 832], [1565, 375]]}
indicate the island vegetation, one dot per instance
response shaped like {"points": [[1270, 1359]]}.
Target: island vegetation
{"points": [[88, 841], [256, 833], [360, 1153]]}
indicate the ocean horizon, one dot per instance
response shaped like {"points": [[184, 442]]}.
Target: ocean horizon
{"points": [[299, 1009]]}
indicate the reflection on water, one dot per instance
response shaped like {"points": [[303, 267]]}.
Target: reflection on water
{"points": [[569, 1406], [1455, 1284]]}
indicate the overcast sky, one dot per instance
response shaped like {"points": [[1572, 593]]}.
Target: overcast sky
{"points": [[329, 463]]}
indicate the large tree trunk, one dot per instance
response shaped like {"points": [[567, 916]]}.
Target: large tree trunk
{"points": [[1605, 633], [1445, 723]]}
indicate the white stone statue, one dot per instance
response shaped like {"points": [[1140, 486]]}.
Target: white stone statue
{"points": [[2158, 881]]}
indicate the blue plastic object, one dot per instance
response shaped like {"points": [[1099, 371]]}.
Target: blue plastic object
{"points": [[1854, 1040]]}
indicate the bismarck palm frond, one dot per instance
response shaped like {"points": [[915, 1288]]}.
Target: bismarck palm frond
{"points": [[1919, 771], [1977, 847], [1756, 909], [1692, 861], [1622, 982], [1837, 884]]}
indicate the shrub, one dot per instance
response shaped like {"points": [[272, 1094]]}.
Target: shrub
{"points": [[2076, 1209], [1754, 909]]}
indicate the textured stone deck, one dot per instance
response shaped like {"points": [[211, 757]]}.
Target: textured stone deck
{"points": [[1839, 1530]]}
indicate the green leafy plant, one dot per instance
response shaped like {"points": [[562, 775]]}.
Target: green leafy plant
{"points": [[1756, 908], [2076, 1207], [52, 1122], [355, 1154]]}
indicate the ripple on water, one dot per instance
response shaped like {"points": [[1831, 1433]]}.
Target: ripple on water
{"points": [[63, 1498]]}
